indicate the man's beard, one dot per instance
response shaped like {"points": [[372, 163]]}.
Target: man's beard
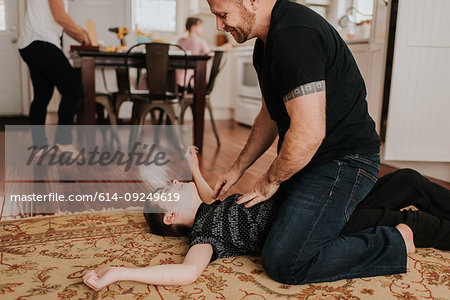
{"points": [[241, 32]]}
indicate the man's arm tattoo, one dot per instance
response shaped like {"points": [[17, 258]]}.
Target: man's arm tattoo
{"points": [[305, 89]]}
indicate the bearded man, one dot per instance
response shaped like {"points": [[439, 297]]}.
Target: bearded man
{"points": [[314, 100]]}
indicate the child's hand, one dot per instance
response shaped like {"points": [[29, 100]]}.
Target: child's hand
{"points": [[191, 156], [98, 279]]}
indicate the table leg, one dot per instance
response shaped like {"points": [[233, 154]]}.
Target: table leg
{"points": [[199, 103], [86, 114]]}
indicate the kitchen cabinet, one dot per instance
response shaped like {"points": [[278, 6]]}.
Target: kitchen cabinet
{"points": [[370, 55], [223, 95], [317, 2], [418, 123], [361, 53]]}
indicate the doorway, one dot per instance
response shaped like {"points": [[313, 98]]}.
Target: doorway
{"points": [[10, 71]]}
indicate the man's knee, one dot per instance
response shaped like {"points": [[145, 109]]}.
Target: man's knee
{"points": [[274, 268], [283, 267]]}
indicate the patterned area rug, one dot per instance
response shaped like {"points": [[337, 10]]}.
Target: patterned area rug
{"points": [[45, 258]]}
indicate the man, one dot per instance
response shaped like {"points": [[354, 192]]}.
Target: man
{"points": [[41, 49], [328, 150]]}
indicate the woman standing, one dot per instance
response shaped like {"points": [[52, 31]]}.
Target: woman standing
{"points": [[40, 47]]}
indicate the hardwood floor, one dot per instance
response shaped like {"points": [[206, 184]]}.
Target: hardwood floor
{"points": [[214, 161]]}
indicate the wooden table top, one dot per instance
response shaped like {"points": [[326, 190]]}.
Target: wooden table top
{"points": [[135, 58]]}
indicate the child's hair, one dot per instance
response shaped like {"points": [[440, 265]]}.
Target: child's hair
{"points": [[156, 223], [192, 22]]}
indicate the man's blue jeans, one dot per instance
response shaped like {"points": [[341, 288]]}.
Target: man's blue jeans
{"points": [[304, 244]]}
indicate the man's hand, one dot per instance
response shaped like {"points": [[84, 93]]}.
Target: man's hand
{"points": [[98, 279], [262, 191], [225, 182], [264, 131]]}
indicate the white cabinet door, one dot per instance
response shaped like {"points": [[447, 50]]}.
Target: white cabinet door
{"points": [[378, 47], [361, 53], [10, 81], [418, 127]]}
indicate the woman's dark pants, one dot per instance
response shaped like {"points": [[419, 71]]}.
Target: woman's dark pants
{"points": [[49, 68]]}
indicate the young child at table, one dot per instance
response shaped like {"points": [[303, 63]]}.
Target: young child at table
{"points": [[193, 42]]}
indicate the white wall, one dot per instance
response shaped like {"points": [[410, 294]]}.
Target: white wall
{"points": [[113, 13], [418, 123]]}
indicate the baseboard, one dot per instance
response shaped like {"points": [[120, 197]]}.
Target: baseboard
{"points": [[436, 170]]}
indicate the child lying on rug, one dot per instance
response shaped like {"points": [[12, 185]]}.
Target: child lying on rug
{"points": [[220, 229]]}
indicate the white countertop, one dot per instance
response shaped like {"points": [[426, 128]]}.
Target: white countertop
{"points": [[357, 41]]}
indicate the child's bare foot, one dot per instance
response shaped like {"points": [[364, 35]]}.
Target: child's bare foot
{"points": [[408, 237]]}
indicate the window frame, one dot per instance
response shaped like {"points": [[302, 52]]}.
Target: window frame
{"points": [[359, 17], [177, 14], [5, 28]]}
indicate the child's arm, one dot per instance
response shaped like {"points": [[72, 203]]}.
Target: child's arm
{"points": [[195, 261], [203, 188]]}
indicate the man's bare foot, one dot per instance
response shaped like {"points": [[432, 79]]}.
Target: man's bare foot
{"points": [[408, 237]]}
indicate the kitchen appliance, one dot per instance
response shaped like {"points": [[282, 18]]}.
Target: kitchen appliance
{"points": [[248, 103], [248, 85]]}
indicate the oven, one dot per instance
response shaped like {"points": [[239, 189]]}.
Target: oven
{"points": [[248, 85], [248, 103]]}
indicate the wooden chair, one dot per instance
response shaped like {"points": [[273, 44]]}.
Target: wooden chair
{"points": [[188, 99]]}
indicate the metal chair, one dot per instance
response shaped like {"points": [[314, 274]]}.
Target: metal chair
{"points": [[106, 101], [157, 97], [188, 99]]}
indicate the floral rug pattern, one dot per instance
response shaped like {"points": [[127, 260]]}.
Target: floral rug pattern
{"points": [[46, 258]]}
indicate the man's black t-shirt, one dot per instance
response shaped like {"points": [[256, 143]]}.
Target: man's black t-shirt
{"points": [[303, 53]]}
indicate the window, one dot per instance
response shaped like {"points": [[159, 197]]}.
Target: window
{"points": [[363, 10], [2, 15], [155, 15]]}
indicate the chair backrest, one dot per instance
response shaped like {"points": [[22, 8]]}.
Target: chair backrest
{"points": [[123, 81], [157, 65], [215, 70]]}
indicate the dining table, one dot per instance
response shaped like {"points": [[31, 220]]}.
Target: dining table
{"points": [[88, 61]]}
